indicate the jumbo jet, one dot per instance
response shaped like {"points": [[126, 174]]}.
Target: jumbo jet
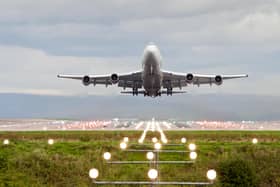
{"points": [[152, 80]]}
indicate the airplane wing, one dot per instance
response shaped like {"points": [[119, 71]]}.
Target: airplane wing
{"points": [[126, 80], [179, 80]]}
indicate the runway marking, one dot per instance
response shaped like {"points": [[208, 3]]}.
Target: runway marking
{"points": [[152, 126], [139, 125], [143, 136]]}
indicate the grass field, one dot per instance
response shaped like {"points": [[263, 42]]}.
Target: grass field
{"points": [[29, 161]]}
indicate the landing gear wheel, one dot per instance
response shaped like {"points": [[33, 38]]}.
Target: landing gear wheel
{"points": [[169, 91]]}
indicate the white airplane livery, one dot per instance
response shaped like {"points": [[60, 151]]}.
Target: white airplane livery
{"points": [[152, 80]]}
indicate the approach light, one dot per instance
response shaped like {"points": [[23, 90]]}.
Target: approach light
{"points": [[140, 141], [153, 174], [50, 141], [211, 174], [154, 140], [193, 155], [6, 142], [107, 156], [93, 173], [183, 140], [150, 155], [164, 140], [125, 139], [157, 146], [255, 141], [192, 146], [123, 145]]}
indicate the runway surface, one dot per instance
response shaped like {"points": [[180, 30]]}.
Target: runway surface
{"points": [[132, 124]]}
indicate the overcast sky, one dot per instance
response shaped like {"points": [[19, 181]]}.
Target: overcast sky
{"points": [[41, 38]]}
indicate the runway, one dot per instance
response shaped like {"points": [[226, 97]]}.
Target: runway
{"points": [[132, 124]]}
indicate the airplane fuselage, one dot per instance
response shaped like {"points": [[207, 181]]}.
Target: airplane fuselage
{"points": [[152, 75], [152, 81]]}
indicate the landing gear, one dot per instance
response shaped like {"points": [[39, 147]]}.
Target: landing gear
{"points": [[169, 91], [135, 91]]}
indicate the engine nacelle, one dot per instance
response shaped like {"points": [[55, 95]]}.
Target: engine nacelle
{"points": [[114, 78], [218, 80], [86, 80], [189, 77]]}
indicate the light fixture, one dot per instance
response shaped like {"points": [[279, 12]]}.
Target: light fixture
{"points": [[6, 142], [107, 156], [150, 155], [192, 147], [157, 146], [255, 141], [183, 140], [123, 145], [50, 141], [193, 155], [93, 173], [211, 174], [125, 139], [153, 174], [154, 140], [164, 140]]}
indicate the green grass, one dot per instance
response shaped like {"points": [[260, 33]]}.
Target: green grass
{"points": [[30, 161]]}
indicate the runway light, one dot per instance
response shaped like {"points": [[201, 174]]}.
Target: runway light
{"points": [[107, 156], [211, 174], [255, 141], [192, 147], [164, 141], [6, 142], [93, 173], [123, 145], [193, 155], [150, 155], [183, 140], [157, 146], [140, 141], [50, 141], [153, 174], [125, 139], [154, 140]]}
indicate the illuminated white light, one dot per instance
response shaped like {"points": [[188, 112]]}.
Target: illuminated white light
{"points": [[183, 140], [93, 173], [154, 140], [164, 141], [157, 146], [211, 174], [255, 141], [45, 128], [150, 155], [192, 147], [107, 156], [6, 142], [153, 174], [140, 141], [125, 139], [50, 141], [123, 145], [193, 155]]}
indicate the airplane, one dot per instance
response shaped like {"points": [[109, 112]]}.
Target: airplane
{"points": [[152, 80]]}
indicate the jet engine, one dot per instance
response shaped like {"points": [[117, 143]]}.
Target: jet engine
{"points": [[86, 80], [218, 80], [189, 77], [114, 78]]}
